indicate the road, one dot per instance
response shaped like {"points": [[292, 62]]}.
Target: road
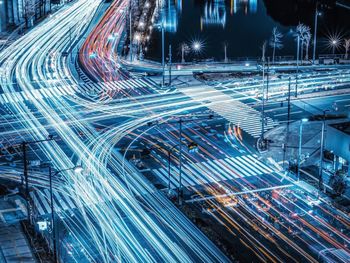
{"points": [[112, 211], [142, 236]]}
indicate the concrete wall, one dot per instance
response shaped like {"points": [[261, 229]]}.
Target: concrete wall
{"points": [[338, 142]]}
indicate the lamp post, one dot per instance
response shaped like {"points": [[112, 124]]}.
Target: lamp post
{"points": [[170, 61], [297, 71], [76, 169], [315, 34], [300, 144], [130, 29], [334, 44], [196, 46], [25, 170], [163, 55], [225, 52], [262, 139], [320, 176]]}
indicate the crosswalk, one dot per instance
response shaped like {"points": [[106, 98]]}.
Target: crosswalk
{"points": [[105, 87], [62, 202], [90, 88], [213, 171], [232, 109], [21, 96]]}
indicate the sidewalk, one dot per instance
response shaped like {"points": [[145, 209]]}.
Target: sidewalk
{"points": [[14, 247]]}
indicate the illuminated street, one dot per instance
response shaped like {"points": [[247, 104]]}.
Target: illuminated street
{"points": [[160, 131]]}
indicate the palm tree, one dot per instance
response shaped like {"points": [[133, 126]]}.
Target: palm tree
{"points": [[275, 42], [302, 34], [307, 39], [184, 49], [347, 47]]}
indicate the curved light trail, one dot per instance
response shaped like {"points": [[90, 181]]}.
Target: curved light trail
{"points": [[132, 223]]}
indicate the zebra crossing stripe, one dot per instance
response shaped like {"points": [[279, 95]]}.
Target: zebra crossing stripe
{"points": [[212, 171], [238, 113], [255, 164], [224, 169], [244, 166], [234, 173], [238, 167], [199, 170], [254, 159], [185, 178]]}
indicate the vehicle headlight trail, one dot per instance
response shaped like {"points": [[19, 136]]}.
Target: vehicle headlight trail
{"points": [[105, 224]]}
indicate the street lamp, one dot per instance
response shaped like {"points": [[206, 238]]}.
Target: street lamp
{"points": [[162, 26], [77, 170], [197, 46], [304, 120], [297, 71], [317, 13], [320, 179], [334, 45]]}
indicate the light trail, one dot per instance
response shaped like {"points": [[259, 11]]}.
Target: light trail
{"points": [[171, 236]]}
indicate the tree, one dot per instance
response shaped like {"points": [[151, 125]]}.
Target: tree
{"points": [[263, 50], [302, 34], [306, 40], [347, 47], [275, 42], [184, 50]]}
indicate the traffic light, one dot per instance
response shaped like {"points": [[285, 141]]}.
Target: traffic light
{"points": [[192, 147]]}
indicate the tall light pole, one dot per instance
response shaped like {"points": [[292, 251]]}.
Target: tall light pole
{"points": [[225, 51], [315, 34], [130, 29], [263, 106], [163, 54], [170, 61], [300, 144], [334, 44], [320, 171], [179, 194], [297, 71]]}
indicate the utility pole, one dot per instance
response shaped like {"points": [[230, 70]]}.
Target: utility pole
{"points": [[263, 105], [179, 195], [315, 34], [53, 223], [267, 78], [130, 29], [170, 57], [288, 115], [169, 170], [163, 59], [320, 171], [297, 71], [26, 179]]}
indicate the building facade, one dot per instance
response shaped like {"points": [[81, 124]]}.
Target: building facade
{"points": [[21, 13]]}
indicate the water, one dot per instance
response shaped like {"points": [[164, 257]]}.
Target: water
{"points": [[243, 25]]}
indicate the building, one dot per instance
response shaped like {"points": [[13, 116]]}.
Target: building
{"points": [[22, 13], [338, 142]]}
